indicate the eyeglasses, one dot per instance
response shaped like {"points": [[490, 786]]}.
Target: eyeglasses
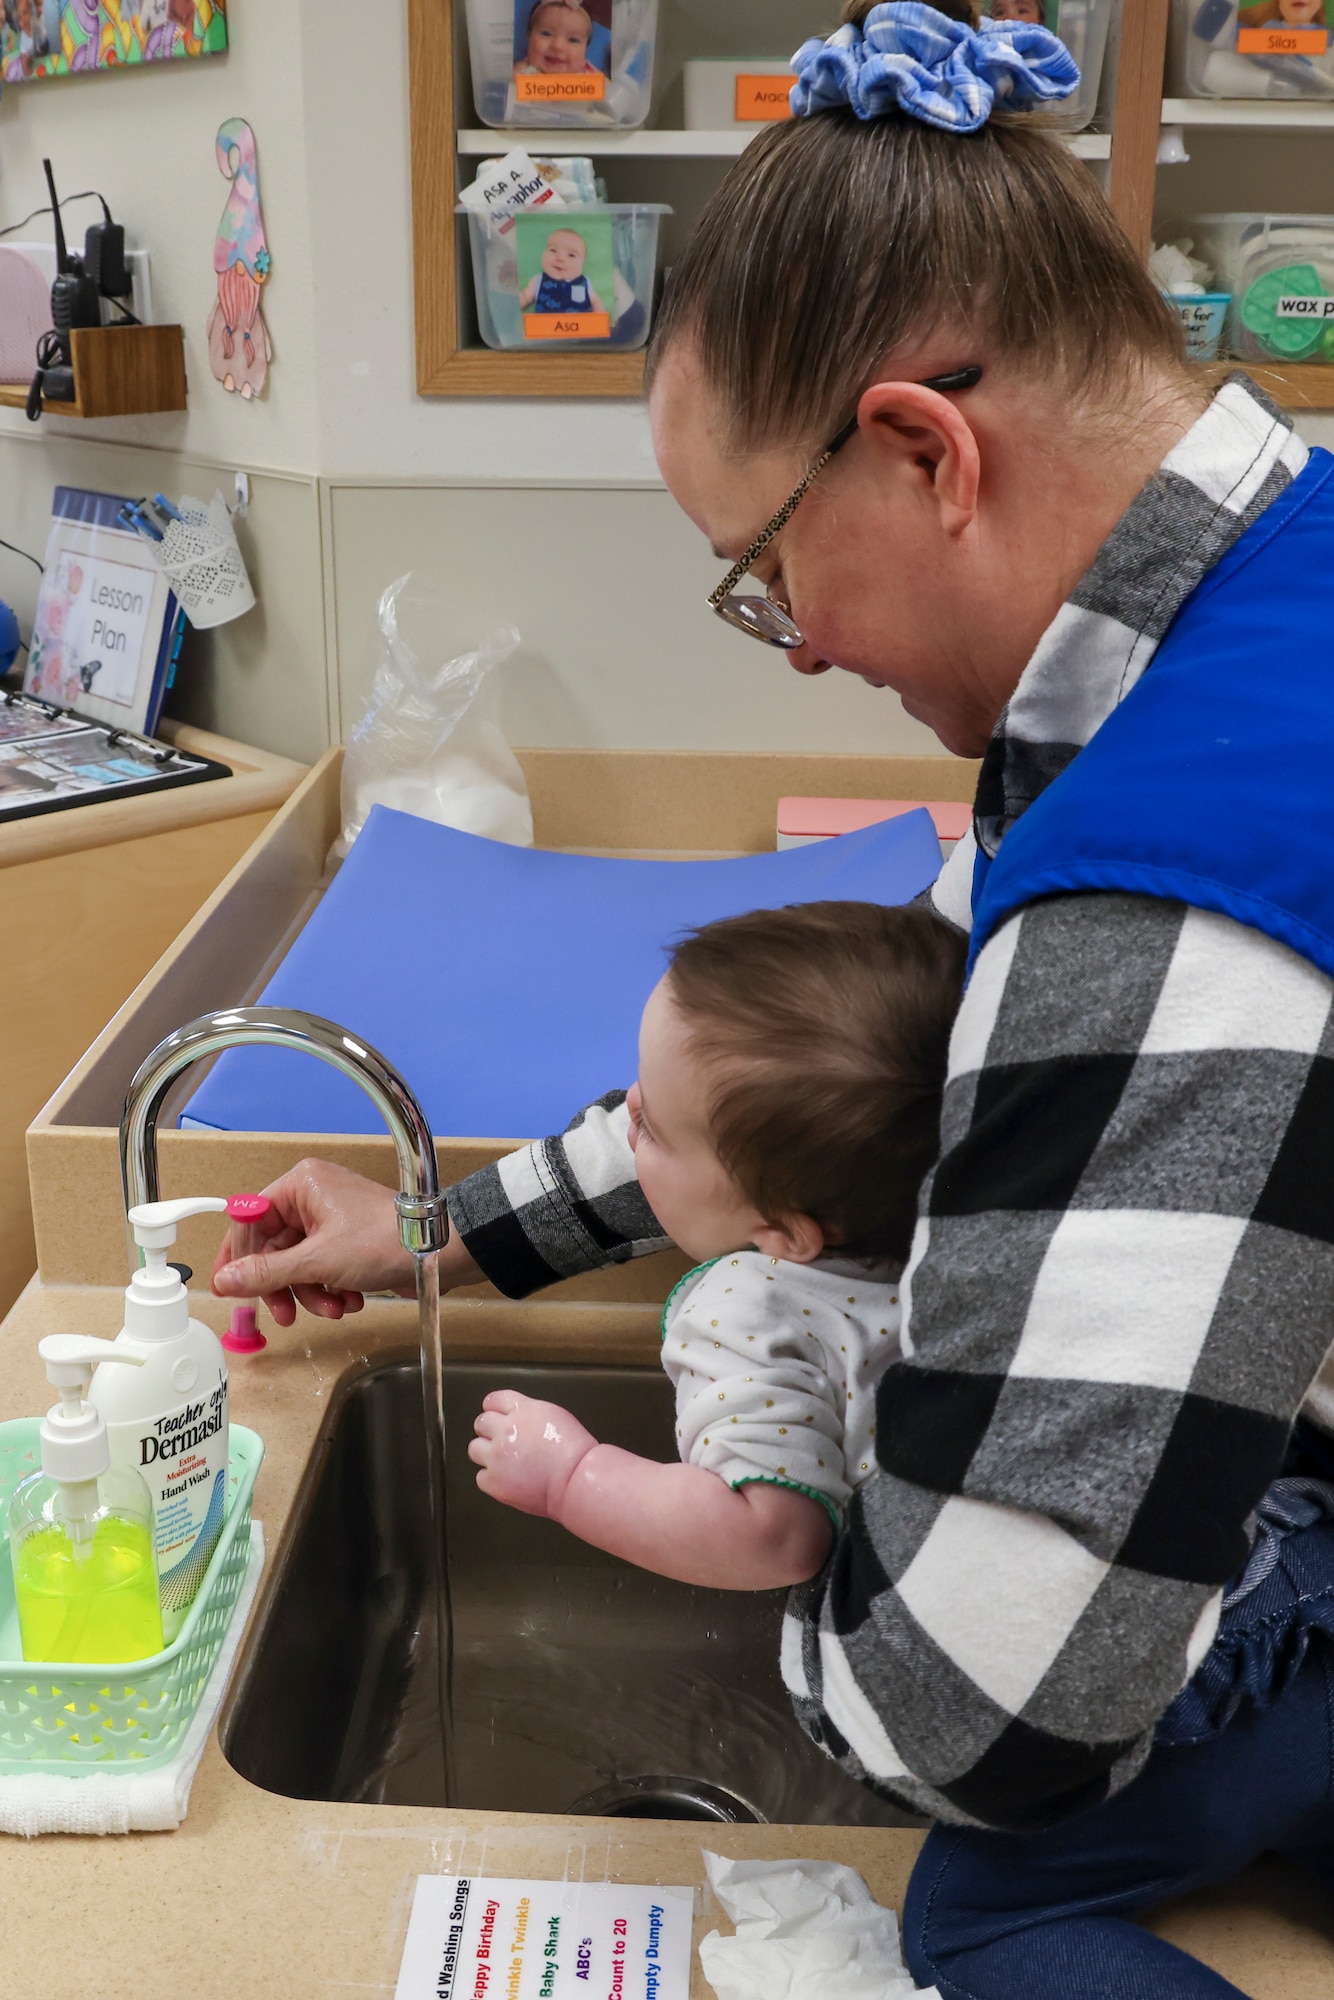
{"points": [[762, 617]]}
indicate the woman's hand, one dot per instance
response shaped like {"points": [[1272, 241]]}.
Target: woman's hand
{"points": [[527, 1451], [331, 1238]]}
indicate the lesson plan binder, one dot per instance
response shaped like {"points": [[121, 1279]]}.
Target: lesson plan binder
{"points": [[107, 628]]}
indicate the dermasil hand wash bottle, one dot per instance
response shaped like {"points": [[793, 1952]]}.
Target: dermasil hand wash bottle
{"points": [[168, 1419]]}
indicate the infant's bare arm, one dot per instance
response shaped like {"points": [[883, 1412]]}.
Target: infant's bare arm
{"points": [[677, 1520]]}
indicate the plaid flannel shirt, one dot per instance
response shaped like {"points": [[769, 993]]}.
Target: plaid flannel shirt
{"points": [[1118, 1295]]}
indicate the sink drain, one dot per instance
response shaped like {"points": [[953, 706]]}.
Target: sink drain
{"points": [[667, 1798]]}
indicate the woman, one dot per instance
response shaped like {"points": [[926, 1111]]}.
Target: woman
{"points": [[912, 378]]}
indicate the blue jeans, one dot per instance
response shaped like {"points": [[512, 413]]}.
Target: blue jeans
{"points": [[1047, 1916], [1244, 1765]]}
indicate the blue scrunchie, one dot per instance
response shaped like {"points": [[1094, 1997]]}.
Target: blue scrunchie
{"points": [[906, 56]]}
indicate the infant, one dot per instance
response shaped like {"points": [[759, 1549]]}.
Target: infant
{"points": [[791, 1064], [1289, 13], [561, 286], [559, 32]]}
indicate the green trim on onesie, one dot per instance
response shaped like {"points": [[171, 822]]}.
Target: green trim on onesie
{"points": [[697, 1272], [794, 1486]]}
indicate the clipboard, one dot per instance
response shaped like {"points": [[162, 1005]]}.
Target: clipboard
{"points": [[52, 759]]}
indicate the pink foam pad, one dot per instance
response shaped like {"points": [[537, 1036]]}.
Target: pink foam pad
{"points": [[819, 818]]}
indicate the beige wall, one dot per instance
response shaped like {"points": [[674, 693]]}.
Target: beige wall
{"points": [[608, 590], [262, 679], [355, 478]]}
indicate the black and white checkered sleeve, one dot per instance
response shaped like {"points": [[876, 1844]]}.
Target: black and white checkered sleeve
{"points": [[558, 1207], [1118, 1296]]}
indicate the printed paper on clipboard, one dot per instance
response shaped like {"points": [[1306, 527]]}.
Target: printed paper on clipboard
{"points": [[106, 623], [49, 762]]}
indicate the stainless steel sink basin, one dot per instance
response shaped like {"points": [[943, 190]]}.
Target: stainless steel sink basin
{"points": [[580, 1683]]}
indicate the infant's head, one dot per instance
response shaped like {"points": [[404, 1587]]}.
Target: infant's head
{"points": [[558, 37], [564, 254], [791, 1065]]}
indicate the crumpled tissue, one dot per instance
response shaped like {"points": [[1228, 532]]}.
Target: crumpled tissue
{"points": [[802, 1928]]}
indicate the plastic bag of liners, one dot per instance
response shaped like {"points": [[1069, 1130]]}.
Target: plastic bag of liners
{"points": [[428, 741]]}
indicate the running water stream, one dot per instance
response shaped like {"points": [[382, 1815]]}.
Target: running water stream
{"points": [[426, 1265]]}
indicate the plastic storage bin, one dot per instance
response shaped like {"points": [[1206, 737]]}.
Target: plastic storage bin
{"points": [[536, 294], [1280, 271], [1279, 48], [1203, 316], [1082, 25], [548, 62], [62, 1719], [736, 96]]}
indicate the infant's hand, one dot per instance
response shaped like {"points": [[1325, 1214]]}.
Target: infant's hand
{"points": [[527, 1451]]}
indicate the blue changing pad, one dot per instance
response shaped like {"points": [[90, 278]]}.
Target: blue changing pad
{"points": [[505, 983]]}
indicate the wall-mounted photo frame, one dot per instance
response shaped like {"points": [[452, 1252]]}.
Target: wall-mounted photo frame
{"points": [[45, 38]]}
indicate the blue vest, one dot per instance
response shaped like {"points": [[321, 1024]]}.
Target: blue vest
{"points": [[1212, 783]]}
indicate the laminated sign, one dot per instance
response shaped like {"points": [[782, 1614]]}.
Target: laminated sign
{"points": [[473, 1937]]}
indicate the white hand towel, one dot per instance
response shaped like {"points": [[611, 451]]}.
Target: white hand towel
{"points": [[117, 1798], [802, 1928]]}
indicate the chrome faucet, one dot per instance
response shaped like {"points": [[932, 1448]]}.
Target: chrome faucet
{"points": [[423, 1222]]}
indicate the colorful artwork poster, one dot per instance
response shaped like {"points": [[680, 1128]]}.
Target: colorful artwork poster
{"points": [[40, 38]]}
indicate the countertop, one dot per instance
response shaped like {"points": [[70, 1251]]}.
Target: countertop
{"points": [[261, 1895]]}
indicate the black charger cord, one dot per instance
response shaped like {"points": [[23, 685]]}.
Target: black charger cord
{"points": [[24, 553], [88, 194]]}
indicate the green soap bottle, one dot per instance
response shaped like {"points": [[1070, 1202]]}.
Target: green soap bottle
{"points": [[81, 1532]]}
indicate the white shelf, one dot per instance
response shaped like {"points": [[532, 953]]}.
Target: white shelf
{"points": [[638, 144], [484, 142], [1271, 113]]}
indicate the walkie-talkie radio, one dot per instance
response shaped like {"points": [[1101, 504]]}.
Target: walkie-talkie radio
{"points": [[81, 283]]}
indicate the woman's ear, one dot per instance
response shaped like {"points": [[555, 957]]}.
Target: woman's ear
{"points": [[795, 1239], [931, 438]]}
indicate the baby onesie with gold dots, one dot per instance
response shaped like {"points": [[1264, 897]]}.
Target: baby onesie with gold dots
{"points": [[775, 1367]]}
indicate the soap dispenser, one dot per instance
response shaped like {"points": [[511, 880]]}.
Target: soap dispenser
{"points": [[168, 1421], [81, 1529]]}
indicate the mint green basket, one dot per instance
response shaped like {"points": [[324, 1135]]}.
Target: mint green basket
{"points": [[65, 1719]]}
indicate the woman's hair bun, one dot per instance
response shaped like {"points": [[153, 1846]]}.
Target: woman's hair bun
{"points": [[906, 56]]}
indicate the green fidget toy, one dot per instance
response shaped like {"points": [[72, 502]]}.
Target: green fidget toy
{"points": [[1290, 339]]}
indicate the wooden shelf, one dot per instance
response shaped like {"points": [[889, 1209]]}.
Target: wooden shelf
{"points": [[486, 371], [480, 142], [119, 371], [1303, 386], [1262, 114], [447, 368]]}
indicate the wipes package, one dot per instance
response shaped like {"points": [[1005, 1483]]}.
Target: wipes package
{"points": [[802, 1928]]}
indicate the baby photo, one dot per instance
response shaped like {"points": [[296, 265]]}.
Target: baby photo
{"points": [[562, 38], [565, 271], [1284, 13], [1042, 13]]}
